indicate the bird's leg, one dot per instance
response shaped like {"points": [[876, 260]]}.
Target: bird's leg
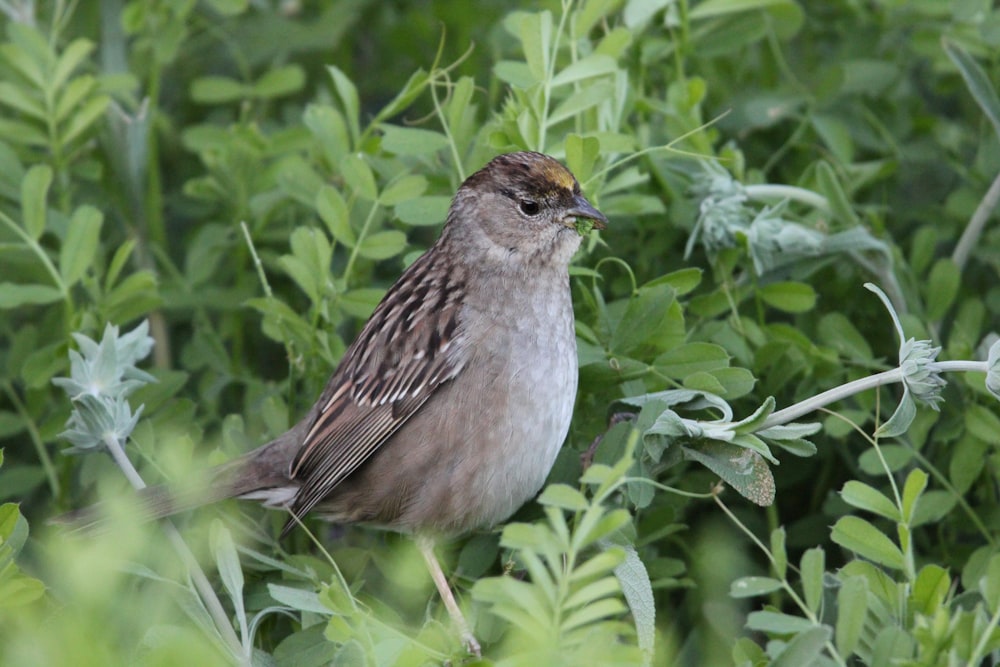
{"points": [[426, 546]]}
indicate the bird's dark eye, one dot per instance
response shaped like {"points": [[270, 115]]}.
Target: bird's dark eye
{"points": [[529, 207]]}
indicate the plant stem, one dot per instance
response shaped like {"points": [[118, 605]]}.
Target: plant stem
{"points": [[970, 237], [36, 438], [803, 408], [198, 578]]}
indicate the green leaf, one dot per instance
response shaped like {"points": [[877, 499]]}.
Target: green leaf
{"points": [[748, 587], [790, 297], [581, 154], [735, 382], [743, 469], [989, 585], [860, 495], [359, 177], [837, 331], [333, 211], [361, 302], [691, 358], [300, 599], [857, 535], [85, 117], [327, 125], [18, 99], [227, 561], [942, 287], [382, 245], [900, 420], [535, 31], [812, 569], [217, 90], [638, 591], [13, 295], [34, 195], [896, 457], [778, 552], [403, 189], [915, 484], [774, 622], [982, 422], [683, 281], [830, 187], [805, 648], [643, 315], [977, 81], [585, 68], [70, 59], [852, 611], [564, 497], [412, 140], [279, 82], [930, 590], [79, 249], [349, 99], [428, 210]]}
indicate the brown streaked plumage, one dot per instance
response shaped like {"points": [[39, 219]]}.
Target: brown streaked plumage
{"points": [[447, 411]]}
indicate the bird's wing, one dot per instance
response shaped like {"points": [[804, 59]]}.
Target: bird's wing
{"points": [[413, 344]]}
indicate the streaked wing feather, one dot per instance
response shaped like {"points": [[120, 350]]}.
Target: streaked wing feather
{"points": [[412, 344]]}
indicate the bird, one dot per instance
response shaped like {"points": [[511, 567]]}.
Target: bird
{"points": [[447, 411]]}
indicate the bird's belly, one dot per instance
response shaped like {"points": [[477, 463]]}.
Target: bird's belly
{"points": [[473, 464]]}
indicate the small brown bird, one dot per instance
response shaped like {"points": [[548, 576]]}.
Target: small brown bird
{"points": [[447, 412]]}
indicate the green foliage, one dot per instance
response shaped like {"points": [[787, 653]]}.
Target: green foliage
{"points": [[248, 178]]}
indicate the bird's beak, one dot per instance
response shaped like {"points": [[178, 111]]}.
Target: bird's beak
{"points": [[582, 208]]}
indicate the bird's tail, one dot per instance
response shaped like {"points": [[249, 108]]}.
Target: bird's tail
{"points": [[261, 474]]}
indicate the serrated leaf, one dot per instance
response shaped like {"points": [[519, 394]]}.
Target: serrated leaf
{"points": [[857, 535], [865, 497]]}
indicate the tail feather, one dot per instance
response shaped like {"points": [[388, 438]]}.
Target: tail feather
{"points": [[260, 474]]}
